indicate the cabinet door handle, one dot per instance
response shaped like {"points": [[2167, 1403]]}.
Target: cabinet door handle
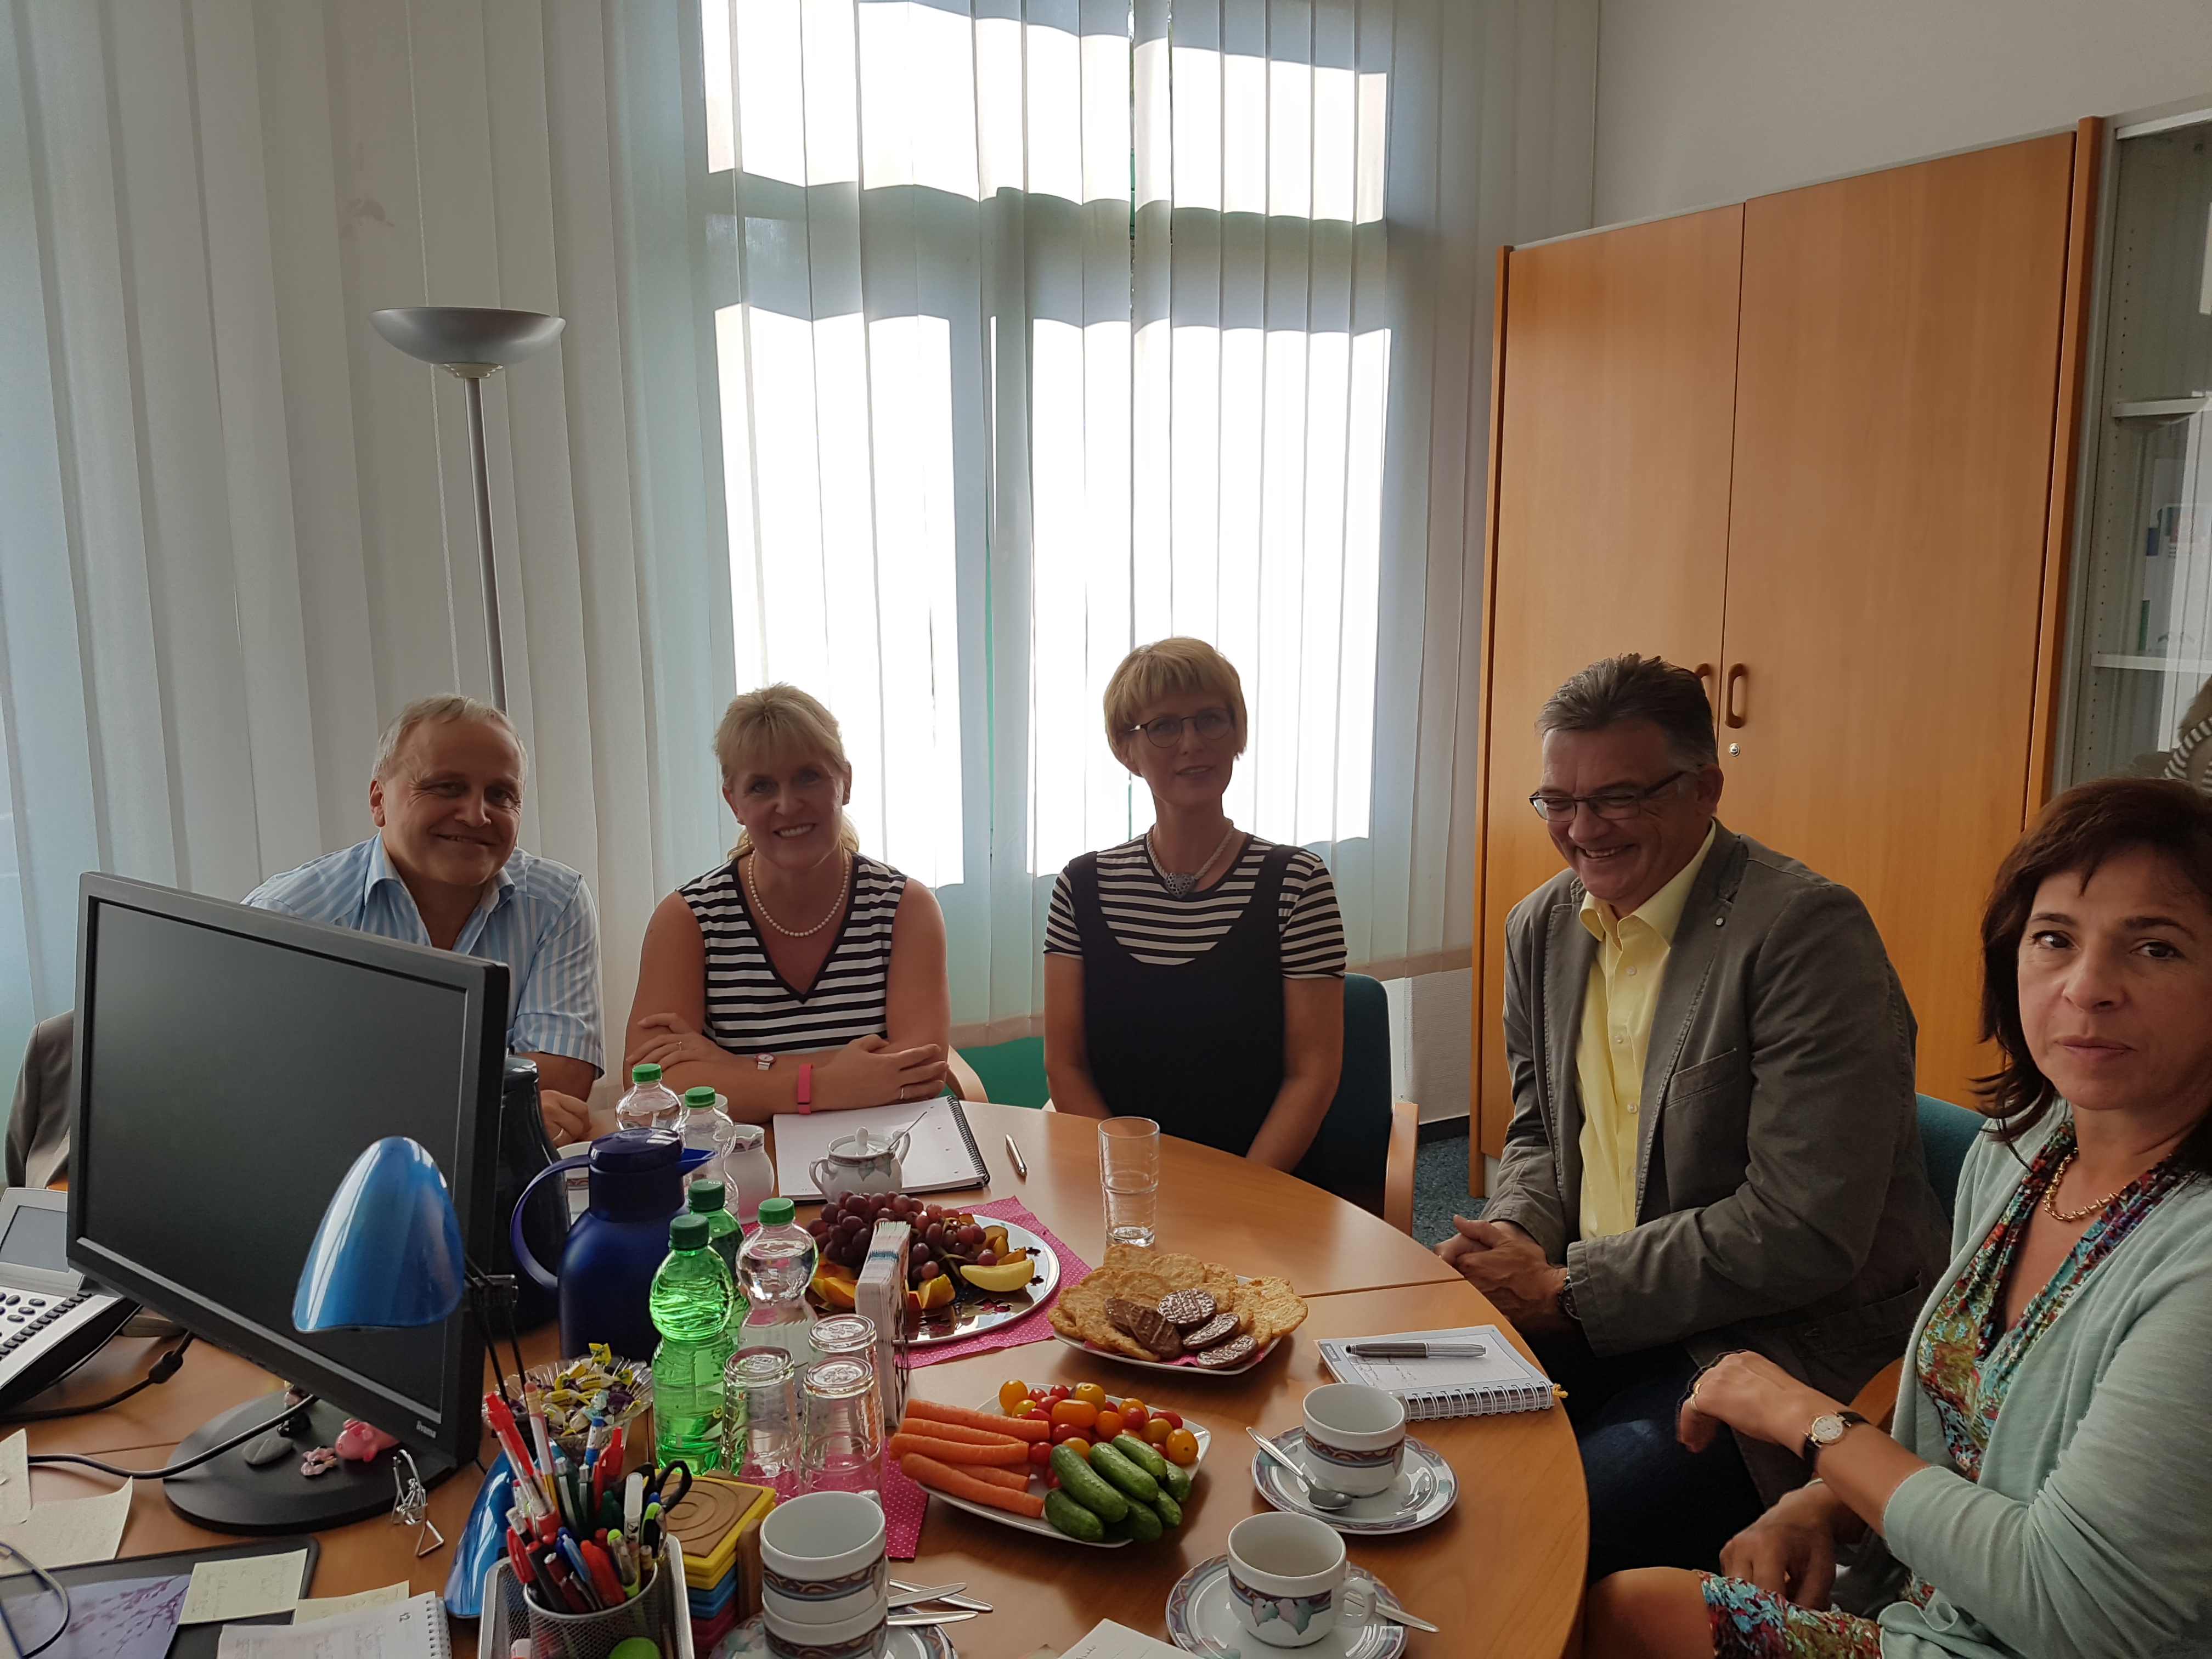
{"points": [[1704, 671], [1730, 715]]}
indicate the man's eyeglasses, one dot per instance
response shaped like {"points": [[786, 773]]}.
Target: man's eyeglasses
{"points": [[34, 1605], [1612, 804], [1166, 732]]}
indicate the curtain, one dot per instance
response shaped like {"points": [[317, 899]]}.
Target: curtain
{"points": [[1044, 328], [990, 334]]}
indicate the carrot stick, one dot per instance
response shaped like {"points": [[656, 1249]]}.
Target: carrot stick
{"points": [[958, 1431], [955, 1451], [960, 1484], [1011, 1479], [1028, 1428]]}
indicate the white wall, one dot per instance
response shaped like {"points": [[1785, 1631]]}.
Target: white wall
{"points": [[1702, 101]]}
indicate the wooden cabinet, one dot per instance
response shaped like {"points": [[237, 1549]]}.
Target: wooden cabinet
{"points": [[1811, 441]]}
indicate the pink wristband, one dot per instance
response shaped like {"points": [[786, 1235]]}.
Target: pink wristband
{"points": [[807, 1088]]}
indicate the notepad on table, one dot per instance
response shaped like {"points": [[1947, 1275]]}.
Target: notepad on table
{"points": [[1497, 1380], [414, 1629], [940, 1154]]}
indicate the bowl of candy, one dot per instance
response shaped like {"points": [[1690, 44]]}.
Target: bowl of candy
{"points": [[585, 1401]]}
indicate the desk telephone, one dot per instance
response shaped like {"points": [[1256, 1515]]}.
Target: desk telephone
{"points": [[50, 1318]]}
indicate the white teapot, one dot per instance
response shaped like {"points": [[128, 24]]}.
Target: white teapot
{"points": [[864, 1162]]}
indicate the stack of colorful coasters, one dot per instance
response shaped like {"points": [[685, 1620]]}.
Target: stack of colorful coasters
{"points": [[718, 1523]]}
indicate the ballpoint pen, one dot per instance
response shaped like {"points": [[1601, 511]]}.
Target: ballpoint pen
{"points": [[1416, 1350], [1015, 1153]]}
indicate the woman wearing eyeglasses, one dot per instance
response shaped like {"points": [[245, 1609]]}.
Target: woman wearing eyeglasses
{"points": [[1193, 976]]}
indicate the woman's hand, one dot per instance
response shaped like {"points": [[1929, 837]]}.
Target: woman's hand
{"points": [[1751, 1394], [1791, 1549], [869, 1071], [566, 1119], [667, 1040]]}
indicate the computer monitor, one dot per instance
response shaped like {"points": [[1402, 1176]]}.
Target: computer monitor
{"points": [[231, 1064]]}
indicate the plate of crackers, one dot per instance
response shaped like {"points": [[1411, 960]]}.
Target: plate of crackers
{"points": [[1171, 1312]]}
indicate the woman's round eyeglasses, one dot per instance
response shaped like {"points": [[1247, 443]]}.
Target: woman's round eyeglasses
{"points": [[1166, 732], [1614, 804]]}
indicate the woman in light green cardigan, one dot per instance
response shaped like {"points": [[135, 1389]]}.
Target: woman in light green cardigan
{"points": [[2046, 1484]]}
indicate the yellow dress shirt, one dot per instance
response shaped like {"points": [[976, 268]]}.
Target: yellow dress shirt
{"points": [[1617, 1009]]}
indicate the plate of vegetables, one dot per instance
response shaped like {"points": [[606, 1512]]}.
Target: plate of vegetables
{"points": [[966, 1273], [1075, 1464]]}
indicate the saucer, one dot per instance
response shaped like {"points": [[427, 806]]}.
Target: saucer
{"points": [[1201, 1620], [1385, 1511], [750, 1641]]}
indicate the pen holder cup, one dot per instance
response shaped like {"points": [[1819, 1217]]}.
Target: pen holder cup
{"points": [[658, 1612]]}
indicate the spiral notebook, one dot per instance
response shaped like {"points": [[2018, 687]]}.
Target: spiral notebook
{"points": [[1499, 1380], [941, 1155]]}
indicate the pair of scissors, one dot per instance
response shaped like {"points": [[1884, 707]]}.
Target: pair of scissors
{"points": [[663, 1491]]}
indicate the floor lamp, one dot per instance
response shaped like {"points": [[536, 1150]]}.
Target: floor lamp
{"points": [[471, 343]]}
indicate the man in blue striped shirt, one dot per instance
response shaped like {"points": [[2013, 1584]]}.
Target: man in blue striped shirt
{"points": [[443, 870]]}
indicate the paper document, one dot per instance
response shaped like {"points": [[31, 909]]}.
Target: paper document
{"points": [[332, 1606], [413, 1629], [122, 1618], [69, 1532], [244, 1587], [940, 1154], [15, 1479], [1109, 1640]]}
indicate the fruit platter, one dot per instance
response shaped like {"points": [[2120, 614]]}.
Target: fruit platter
{"points": [[966, 1273], [1075, 1464]]}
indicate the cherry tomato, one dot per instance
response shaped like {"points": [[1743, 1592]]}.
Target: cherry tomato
{"points": [[1057, 1391], [1011, 1393], [1051, 1481], [1041, 1454], [1064, 1432], [1174, 1418], [1081, 1413], [1025, 1407], [1156, 1430], [1110, 1423], [1134, 1412], [1092, 1393], [1081, 1447], [1038, 1395], [1183, 1448]]}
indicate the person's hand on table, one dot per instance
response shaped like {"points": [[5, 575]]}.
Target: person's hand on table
{"points": [[869, 1071], [674, 1040], [1500, 1260], [567, 1118]]}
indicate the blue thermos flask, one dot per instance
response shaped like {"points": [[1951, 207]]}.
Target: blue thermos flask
{"points": [[616, 1245]]}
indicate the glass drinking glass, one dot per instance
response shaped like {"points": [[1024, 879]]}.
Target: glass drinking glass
{"points": [[761, 1406], [842, 1447], [1129, 1173], [847, 1335]]}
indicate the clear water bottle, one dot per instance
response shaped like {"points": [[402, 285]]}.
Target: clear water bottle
{"points": [[775, 1264], [706, 1128], [690, 1305], [748, 1175], [723, 1236], [650, 1103]]}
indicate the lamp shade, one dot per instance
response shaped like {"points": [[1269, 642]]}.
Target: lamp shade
{"points": [[467, 334], [388, 1253]]}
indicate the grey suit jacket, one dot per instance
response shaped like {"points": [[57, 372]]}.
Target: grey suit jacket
{"points": [[1782, 1201], [39, 1127]]}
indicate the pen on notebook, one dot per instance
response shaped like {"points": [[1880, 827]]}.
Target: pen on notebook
{"points": [[1416, 1350], [1015, 1153]]}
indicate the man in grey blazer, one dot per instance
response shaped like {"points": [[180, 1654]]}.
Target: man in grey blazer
{"points": [[1714, 1142]]}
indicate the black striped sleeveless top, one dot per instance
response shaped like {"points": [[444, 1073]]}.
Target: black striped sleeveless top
{"points": [[750, 1009]]}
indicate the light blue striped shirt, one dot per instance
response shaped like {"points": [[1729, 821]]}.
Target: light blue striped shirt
{"points": [[539, 921]]}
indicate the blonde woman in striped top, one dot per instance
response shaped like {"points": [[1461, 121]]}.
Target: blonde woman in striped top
{"points": [[1195, 974], [801, 975]]}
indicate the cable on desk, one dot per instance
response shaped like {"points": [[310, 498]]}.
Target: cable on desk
{"points": [[164, 1367], [193, 1463]]}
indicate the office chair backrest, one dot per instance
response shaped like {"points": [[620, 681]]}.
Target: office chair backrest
{"points": [[1946, 1132], [1351, 1154]]}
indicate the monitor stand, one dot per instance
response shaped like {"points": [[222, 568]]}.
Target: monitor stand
{"points": [[230, 1494]]}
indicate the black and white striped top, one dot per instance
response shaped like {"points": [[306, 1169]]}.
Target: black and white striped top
{"points": [[1161, 931], [750, 1009]]}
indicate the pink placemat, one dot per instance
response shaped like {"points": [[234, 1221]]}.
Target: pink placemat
{"points": [[903, 1503], [1032, 1327]]}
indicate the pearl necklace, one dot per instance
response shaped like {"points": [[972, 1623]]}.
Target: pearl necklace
{"points": [[1180, 885], [2068, 1217], [752, 887]]}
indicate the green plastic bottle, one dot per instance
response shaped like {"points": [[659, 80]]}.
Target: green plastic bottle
{"points": [[690, 1302], [723, 1235]]}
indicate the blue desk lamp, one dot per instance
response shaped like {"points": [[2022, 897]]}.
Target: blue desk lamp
{"points": [[388, 1253]]}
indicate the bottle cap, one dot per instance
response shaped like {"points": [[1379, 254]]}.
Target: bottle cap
{"points": [[648, 1072], [687, 1232], [706, 1197], [776, 1212], [699, 1100]]}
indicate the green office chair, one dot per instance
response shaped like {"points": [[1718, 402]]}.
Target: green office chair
{"points": [[1364, 1150], [1945, 1133]]}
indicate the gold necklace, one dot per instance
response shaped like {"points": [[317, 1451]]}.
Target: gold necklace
{"points": [[2068, 1217], [753, 886]]}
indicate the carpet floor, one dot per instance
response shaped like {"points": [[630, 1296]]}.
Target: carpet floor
{"points": [[1440, 1189]]}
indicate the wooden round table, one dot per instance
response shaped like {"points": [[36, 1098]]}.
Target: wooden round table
{"points": [[1501, 1575]]}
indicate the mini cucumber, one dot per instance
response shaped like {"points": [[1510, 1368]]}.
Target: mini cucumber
{"points": [[1147, 1458], [1140, 1524], [1071, 1518], [1086, 1486], [1133, 1480], [1168, 1510], [1176, 1483]]}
